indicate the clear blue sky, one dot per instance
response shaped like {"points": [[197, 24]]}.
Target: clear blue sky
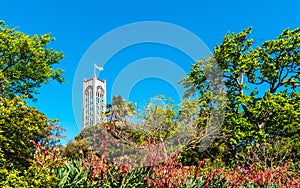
{"points": [[76, 25]]}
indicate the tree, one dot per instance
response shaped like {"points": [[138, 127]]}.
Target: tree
{"points": [[131, 133], [19, 124], [77, 149], [119, 108], [262, 92], [26, 62]]}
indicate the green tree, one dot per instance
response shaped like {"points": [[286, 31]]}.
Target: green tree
{"points": [[119, 108], [262, 92], [26, 62], [77, 149], [18, 125]]}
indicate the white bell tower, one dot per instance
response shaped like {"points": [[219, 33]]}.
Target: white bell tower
{"points": [[94, 101]]}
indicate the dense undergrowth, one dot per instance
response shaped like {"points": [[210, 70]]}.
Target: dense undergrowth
{"points": [[50, 169]]}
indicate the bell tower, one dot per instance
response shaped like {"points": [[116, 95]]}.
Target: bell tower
{"points": [[94, 101]]}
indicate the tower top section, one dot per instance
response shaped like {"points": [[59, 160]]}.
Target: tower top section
{"points": [[95, 78], [94, 100]]}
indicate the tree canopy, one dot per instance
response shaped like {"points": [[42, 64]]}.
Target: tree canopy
{"points": [[262, 92], [26, 62]]}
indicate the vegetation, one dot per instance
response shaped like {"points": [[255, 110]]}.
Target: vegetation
{"points": [[257, 145], [262, 96], [25, 63]]}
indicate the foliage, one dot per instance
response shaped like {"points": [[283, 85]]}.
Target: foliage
{"points": [[34, 177], [50, 170], [106, 174], [262, 92], [54, 134], [73, 175], [169, 174], [258, 145], [207, 175], [256, 175], [18, 125], [26, 62], [137, 134], [40, 173], [77, 149], [271, 153]]}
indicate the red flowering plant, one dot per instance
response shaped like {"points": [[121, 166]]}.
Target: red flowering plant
{"points": [[47, 158], [278, 176], [44, 167], [107, 174], [169, 174]]}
